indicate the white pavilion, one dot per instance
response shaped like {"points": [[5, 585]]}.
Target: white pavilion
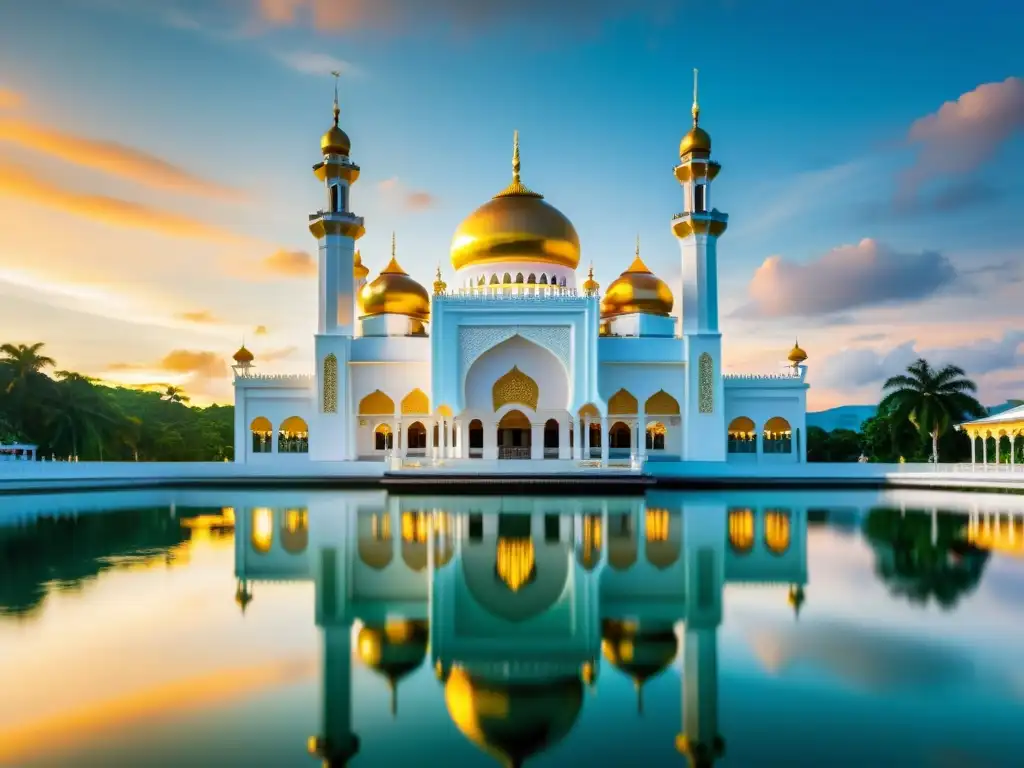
{"points": [[516, 358]]}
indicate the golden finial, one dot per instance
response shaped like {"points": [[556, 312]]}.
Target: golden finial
{"points": [[590, 285], [638, 263], [337, 109], [515, 157], [637, 254], [393, 244], [696, 107], [440, 286]]}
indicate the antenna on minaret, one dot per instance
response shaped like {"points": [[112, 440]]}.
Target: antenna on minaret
{"points": [[515, 156], [696, 107], [337, 109]]}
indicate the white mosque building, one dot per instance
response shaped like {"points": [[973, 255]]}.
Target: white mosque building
{"points": [[516, 358]]}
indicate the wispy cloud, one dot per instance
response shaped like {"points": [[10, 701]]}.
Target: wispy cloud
{"points": [[845, 278], [10, 99], [260, 330], [396, 191], [311, 63], [112, 158], [290, 264], [22, 184], [200, 316]]}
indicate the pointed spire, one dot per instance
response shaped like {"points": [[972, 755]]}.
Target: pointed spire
{"points": [[516, 188], [515, 156], [394, 698], [638, 263], [393, 267], [696, 106], [393, 251], [337, 108]]}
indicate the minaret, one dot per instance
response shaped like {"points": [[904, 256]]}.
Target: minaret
{"points": [[698, 228], [704, 538], [336, 228], [336, 744]]}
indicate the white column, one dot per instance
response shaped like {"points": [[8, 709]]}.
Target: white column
{"points": [[604, 439], [642, 434], [564, 428], [578, 443], [537, 441], [997, 439], [1012, 460], [984, 450], [974, 439], [490, 439], [586, 437]]}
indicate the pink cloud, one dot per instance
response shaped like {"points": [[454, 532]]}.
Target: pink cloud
{"points": [[964, 134]]}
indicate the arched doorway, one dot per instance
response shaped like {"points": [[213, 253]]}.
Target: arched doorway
{"points": [[416, 445], [476, 439], [620, 438], [551, 439], [514, 436]]}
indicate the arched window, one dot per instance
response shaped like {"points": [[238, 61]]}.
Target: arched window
{"points": [[519, 278], [742, 435], [554, 279], [656, 436], [551, 439], [776, 531], [494, 279], [531, 280], [335, 198], [383, 440], [262, 536], [700, 204], [480, 281], [293, 436], [476, 439], [741, 530], [562, 282], [543, 279], [777, 436], [507, 279], [262, 435]]}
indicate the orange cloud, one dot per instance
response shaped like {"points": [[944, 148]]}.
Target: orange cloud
{"points": [[964, 134], [21, 184], [260, 330], [111, 157], [290, 263], [209, 365], [410, 199], [9, 99], [203, 316]]}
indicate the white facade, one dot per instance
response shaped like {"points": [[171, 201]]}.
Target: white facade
{"points": [[518, 359]]}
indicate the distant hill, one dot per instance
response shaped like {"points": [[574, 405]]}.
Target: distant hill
{"points": [[853, 416], [842, 417]]}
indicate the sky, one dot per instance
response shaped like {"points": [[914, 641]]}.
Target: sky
{"points": [[156, 169]]}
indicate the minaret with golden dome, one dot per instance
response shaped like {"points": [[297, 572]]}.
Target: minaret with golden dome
{"points": [[341, 274], [698, 228]]}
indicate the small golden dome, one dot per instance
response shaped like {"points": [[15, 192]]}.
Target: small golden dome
{"points": [[516, 225], [512, 721], [394, 650], [394, 292], [335, 141], [359, 272], [696, 140], [796, 354], [637, 290], [243, 355], [590, 285], [639, 653], [440, 286]]}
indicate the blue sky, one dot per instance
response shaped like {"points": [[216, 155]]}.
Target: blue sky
{"points": [[819, 115]]}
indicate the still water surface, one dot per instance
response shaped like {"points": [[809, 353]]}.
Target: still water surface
{"points": [[277, 628]]}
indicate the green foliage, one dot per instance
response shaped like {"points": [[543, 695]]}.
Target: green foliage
{"points": [[920, 563], [932, 400], [72, 415], [837, 445]]}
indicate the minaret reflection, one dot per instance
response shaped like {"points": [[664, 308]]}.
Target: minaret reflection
{"points": [[517, 600]]}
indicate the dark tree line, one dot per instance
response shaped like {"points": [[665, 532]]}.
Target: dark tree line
{"points": [[67, 414]]}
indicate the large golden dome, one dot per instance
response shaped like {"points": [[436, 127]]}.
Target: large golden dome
{"points": [[512, 721], [394, 292], [637, 290], [516, 225]]}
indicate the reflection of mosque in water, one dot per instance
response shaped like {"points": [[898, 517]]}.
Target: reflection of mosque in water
{"points": [[517, 599]]}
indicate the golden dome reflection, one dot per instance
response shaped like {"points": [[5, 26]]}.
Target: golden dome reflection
{"points": [[394, 292], [516, 225], [512, 722], [394, 650], [637, 290], [640, 653]]}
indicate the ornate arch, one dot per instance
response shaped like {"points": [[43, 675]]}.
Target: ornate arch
{"points": [[515, 387], [475, 340]]}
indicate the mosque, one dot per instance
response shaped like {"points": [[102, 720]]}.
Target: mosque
{"points": [[516, 358], [519, 606]]}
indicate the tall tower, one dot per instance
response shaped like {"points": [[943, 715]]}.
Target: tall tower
{"points": [[698, 228], [336, 229]]}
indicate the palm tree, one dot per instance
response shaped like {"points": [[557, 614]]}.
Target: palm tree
{"points": [[932, 400], [24, 361], [175, 395]]}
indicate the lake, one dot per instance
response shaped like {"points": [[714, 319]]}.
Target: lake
{"points": [[283, 628]]}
